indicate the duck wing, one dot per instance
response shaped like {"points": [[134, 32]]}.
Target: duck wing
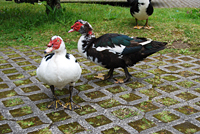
{"points": [[150, 9], [119, 44]]}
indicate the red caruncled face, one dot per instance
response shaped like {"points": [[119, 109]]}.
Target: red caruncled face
{"points": [[56, 43], [53, 44], [76, 26]]}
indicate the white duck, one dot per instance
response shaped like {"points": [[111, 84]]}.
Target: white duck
{"points": [[59, 69]]}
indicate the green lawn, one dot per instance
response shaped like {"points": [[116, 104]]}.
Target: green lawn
{"points": [[27, 24]]}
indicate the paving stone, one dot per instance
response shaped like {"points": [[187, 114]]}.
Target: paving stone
{"points": [[163, 96]]}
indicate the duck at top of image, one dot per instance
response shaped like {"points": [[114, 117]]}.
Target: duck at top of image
{"points": [[141, 10]]}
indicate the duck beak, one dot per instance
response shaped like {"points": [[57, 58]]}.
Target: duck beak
{"points": [[71, 30], [48, 50]]}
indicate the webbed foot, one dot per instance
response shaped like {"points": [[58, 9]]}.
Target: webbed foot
{"points": [[71, 106], [138, 27], [55, 104], [148, 27]]}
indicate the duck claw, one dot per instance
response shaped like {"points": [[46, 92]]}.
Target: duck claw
{"points": [[55, 104], [100, 76], [138, 27], [119, 81], [71, 106], [148, 27]]}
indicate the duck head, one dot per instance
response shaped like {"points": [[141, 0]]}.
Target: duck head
{"points": [[56, 44], [82, 27]]}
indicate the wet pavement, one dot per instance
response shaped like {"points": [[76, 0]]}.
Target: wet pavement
{"points": [[163, 96]]}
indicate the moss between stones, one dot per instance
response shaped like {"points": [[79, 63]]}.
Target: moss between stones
{"points": [[3, 86], [5, 128], [30, 122], [187, 128], [109, 103], [116, 89], [140, 75], [26, 68], [95, 95], [170, 78], [22, 82], [124, 113], [154, 81], [167, 101], [135, 85], [142, 124], [185, 58], [39, 96], [186, 73], [21, 111], [18, 59], [43, 106], [130, 97], [186, 96], [23, 63], [3, 61], [8, 71], [188, 110], [71, 128], [58, 116], [143, 66], [163, 132], [30, 89], [115, 130], [98, 120], [103, 83], [157, 71], [6, 66], [76, 99], [84, 87], [42, 131], [186, 84], [16, 76], [1, 117], [13, 102], [146, 106], [173, 61], [168, 88], [173, 68], [87, 109], [166, 116], [7, 93], [150, 92]]}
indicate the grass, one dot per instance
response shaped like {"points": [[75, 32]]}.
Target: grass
{"points": [[27, 24]]}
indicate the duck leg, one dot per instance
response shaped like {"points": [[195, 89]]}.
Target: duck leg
{"points": [[105, 77], [147, 26], [56, 103], [71, 105], [127, 74], [137, 26]]}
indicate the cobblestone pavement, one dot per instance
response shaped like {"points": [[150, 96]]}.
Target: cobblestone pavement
{"points": [[162, 97], [156, 3], [175, 3]]}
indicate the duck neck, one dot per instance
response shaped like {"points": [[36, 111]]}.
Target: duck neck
{"points": [[84, 42]]}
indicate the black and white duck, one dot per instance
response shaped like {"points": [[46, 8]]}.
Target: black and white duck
{"points": [[113, 50], [141, 10]]}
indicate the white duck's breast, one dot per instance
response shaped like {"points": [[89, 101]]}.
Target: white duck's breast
{"points": [[59, 71], [142, 14]]}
